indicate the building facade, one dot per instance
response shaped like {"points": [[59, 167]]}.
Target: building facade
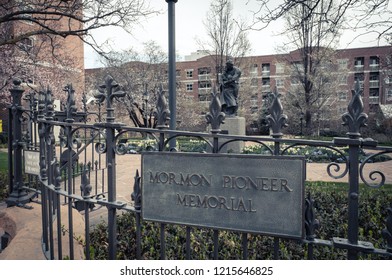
{"points": [[40, 61], [372, 67]]}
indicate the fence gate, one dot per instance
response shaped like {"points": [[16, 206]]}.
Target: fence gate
{"points": [[71, 162]]}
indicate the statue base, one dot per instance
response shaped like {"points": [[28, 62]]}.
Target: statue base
{"points": [[234, 126]]}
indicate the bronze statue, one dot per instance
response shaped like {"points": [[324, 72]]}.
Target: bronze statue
{"points": [[229, 85]]}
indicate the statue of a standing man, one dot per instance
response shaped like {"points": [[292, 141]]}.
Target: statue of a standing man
{"points": [[229, 89]]}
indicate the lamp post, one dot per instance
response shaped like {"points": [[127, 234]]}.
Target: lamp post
{"points": [[172, 67], [145, 105]]}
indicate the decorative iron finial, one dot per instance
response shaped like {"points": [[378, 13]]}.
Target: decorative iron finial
{"points": [[311, 223], [355, 118], [16, 94], [70, 107], [215, 116], [84, 102], [109, 90], [137, 194], [162, 113], [276, 119], [41, 105], [387, 233], [49, 104]]}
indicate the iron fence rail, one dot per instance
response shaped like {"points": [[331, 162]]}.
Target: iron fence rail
{"points": [[93, 147]]}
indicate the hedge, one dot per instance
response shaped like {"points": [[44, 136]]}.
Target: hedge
{"points": [[330, 208]]}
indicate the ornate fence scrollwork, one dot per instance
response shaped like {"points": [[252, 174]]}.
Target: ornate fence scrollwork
{"points": [[373, 175]]}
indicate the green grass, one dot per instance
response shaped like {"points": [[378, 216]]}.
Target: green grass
{"points": [[3, 161]]}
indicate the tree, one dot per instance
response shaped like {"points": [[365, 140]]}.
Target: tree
{"points": [[367, 17], [41, 42], [226, 37], [36, 35], [141, 76], [69, 18], [312, 68]]}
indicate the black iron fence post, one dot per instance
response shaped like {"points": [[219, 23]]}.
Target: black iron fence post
{"points": [[162, 116], [354, 119], [18, 195], [215, 117], [172, 67], [276, 120], [108, 91], [50, 141], [43, 168]]}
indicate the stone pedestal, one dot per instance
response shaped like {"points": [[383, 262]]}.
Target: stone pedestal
{"points": [[234, 126]]}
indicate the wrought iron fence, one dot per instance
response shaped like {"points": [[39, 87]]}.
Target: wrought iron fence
{"points": [[77, 168]]}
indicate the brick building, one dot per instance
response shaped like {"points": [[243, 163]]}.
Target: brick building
{"points": [[40, 61], [372, 67]]}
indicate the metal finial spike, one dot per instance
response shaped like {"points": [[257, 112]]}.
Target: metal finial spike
{"points": [[355, 118], [276, 119]]}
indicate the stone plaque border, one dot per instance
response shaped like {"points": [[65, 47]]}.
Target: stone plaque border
{"points": [[246, 193]]}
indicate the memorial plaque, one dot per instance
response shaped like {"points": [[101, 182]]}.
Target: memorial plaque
{"points": [[31, 162], [246, 193]]}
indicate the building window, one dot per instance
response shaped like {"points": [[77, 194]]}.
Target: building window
{"points": [[359, 62], [189, 73], [204, 73], [253, 69], [279, 83], [266, 82], [342, 96], [280, 68], [342, 79], [265, 69], [253, 82], [297, 67], [205, 84], [374, 63], [178, 73], [189, 87], [204, 97], [374, 80], [343, 63], [389, 94], [359, 78]]}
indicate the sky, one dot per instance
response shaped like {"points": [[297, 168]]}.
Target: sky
{"points": [[190, 15]]}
